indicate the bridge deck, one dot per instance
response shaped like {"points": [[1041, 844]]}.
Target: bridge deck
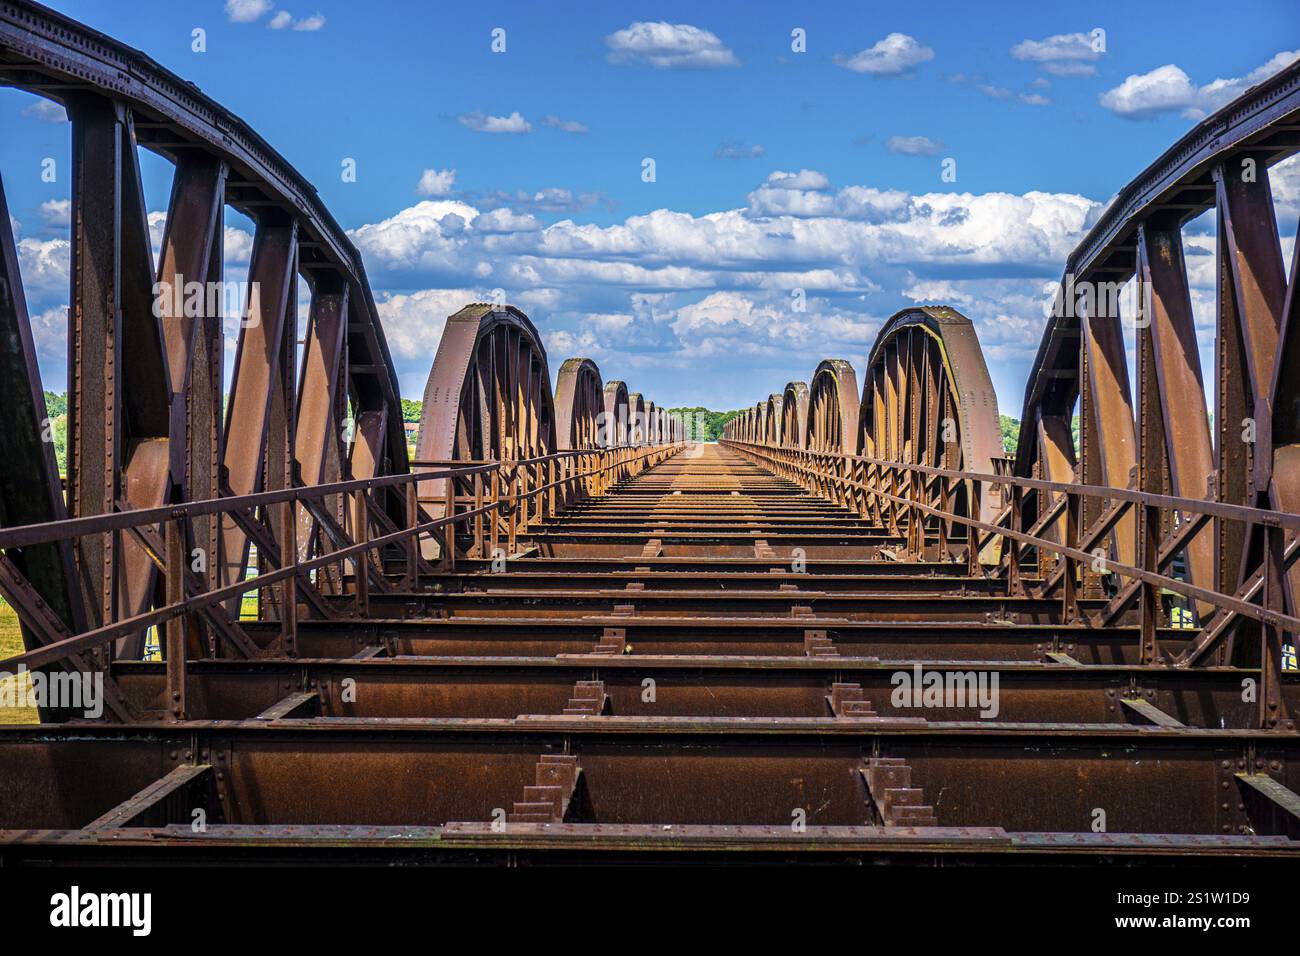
{"points": [[705, 659]]}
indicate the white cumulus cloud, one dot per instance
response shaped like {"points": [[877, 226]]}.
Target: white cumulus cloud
{"points": [[56, 212], [436, 182], [669, 292], [1064, 54], [895, 54], [669, 46], [1168, 89], [283, 19], [246, 11], [483, 123]]}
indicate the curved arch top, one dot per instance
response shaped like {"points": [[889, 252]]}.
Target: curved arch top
{"points": [[488, 395], [636, 426], [774, 419], [794, 413], [120, 102], [579, 403], [927, 370], [1162, 433], [616, 426], [833, 408]]}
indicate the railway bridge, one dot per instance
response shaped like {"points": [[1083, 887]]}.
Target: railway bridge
{"points": [[563, 629]]}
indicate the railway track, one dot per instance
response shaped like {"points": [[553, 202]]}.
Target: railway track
{"points": [[629, 703]]}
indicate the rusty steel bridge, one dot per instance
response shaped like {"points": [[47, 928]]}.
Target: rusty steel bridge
{"points": [[564, 630]]}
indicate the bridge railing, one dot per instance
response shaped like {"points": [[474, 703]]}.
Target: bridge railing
{"points": [[490, 503], [533, 488], [905, 498]]}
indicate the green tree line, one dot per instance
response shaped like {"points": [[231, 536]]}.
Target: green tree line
{"points": [[703, 424]]}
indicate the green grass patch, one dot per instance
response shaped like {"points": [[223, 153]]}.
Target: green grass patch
{"points": [[11, 643]]}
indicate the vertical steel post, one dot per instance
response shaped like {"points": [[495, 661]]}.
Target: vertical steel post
{"points": [[361, 530], [494, 499], [177, 627], [1272, 706], [478, 516], [1148, 549], [413, 543], [289, 586], [1014, 587], [1069, 590], [449, 529]]}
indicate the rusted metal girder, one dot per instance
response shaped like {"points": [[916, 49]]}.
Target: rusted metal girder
{"points": [[1156, 780], [145, 423], [833, 406], [616, 412], [1222, 164], [488, 398], [43, 578], [794, 410], [471, 685], [579, 404], [637, 433], [1160, 529], [927, 397], [774, 419]]}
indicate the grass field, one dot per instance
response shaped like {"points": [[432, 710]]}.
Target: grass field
{"points": [[11, 643]]}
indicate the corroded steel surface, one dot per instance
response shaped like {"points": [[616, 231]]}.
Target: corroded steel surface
{"points": [[852, 630]]}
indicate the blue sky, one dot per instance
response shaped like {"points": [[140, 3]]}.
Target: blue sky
{"points": [[775, 170]]}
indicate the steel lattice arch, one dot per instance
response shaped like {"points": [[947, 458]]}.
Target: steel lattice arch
{"points": [[561, 627]]}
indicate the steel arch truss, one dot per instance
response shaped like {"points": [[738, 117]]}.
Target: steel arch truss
{"points": [[488, 399], [637, 431], [579, 403], [773, 419], [488, 396], [794, 415], [832, 408], [927, 398], [1168, 516], [146, 425], [170, 494], [616, 412], [1155, 435]]}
